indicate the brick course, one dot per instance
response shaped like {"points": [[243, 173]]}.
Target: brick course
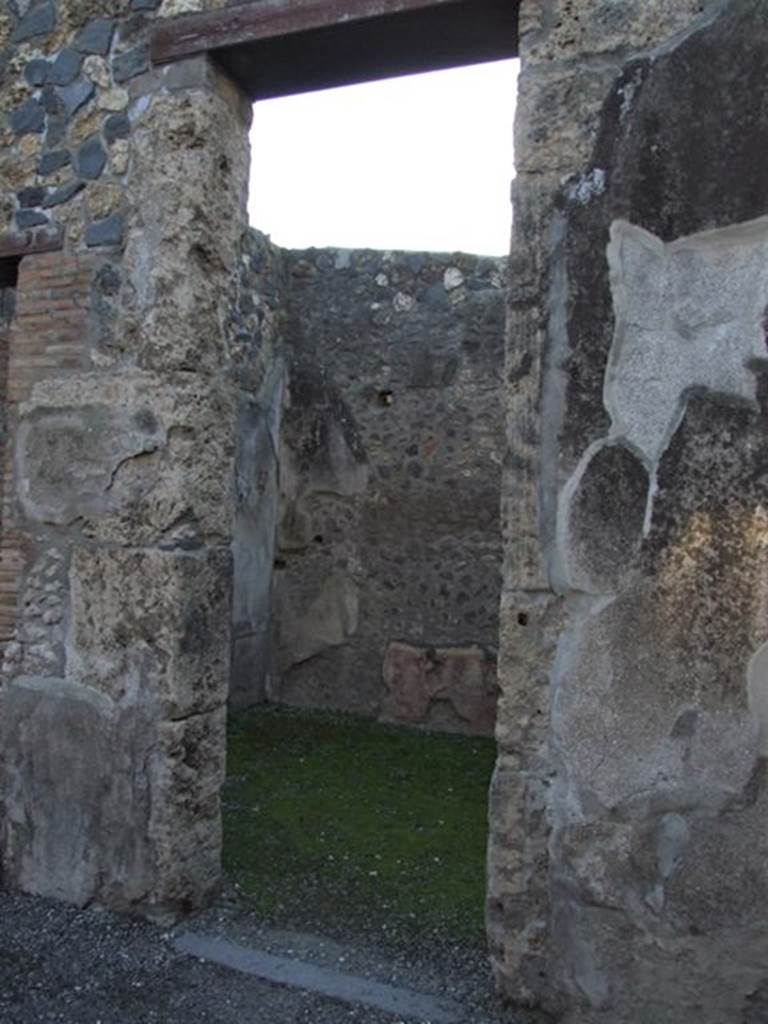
{"points": [[47, 337]]}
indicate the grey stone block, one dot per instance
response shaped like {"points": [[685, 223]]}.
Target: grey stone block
{"points": [[30, 219], [36, 72], [51, 102], [53, 161], [193, 73], [64, 194], [105, 232], [38, 21], [116, 126], [96, 36], [76, 95], [91, 158], [77, 808], [33, 195], [66, 67], [27, 119], [56, 131], [131, 63]]}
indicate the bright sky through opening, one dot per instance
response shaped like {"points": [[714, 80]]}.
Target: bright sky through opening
{"points": [[422, 162]]}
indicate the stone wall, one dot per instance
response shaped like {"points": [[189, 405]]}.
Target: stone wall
{"points": [[627, 858], [388, 553], [260, 343], [125, 384], [8, 573]]}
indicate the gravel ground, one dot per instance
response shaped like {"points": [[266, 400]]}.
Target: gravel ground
{"points": [[61, 964]]}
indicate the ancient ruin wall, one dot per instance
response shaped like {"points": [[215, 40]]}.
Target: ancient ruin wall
{"points": [[627, 861], [123, 394], [259, 344], [388, 552]]}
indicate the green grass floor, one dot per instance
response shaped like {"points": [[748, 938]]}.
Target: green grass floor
{"points": [[335, 822]]}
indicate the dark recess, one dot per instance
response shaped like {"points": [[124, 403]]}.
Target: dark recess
{"points": [[9, 271]]}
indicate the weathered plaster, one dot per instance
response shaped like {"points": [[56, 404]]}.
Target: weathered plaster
{"points": [[626, 870], [689, 315]]}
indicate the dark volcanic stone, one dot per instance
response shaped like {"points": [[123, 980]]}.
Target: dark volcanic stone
{"points": [[133, 62], [30, 219], [107, 280], [105, 232], [53, 161], [435, 296], [31, 196], [51, 101], [116, 126], [56, 131], [64, 194], [96, 36], [76, 95], [66, 67], [39, 21], [132, 30], [36, 72], [28, 119], [91, 158]]}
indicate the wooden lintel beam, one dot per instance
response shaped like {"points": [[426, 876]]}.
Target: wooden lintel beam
{"points": [[264, 19]]}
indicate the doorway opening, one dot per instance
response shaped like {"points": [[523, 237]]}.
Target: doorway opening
{"points": [[383, 371]]}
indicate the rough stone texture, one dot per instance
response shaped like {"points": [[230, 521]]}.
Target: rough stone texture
{"points": [[76, 792], [391, 459], [627, 877], [189, 160], [115, 556], [108, 231], [39, 20], [148, 621], [440, 687], [134, 459], [627, 871], [106, 803], [258, 365]]}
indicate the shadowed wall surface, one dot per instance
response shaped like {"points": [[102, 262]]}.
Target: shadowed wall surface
{"points": [[386, 591]]}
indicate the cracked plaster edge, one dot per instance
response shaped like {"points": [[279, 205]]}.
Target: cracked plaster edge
{"points": [[553, 403], [581, 611], [754, 230]]}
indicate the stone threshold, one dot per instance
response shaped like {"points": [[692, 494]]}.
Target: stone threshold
{"points": [[348, 988]]}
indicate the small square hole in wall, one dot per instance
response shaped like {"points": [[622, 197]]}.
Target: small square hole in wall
{"points": [[421, 162], [9, 271]]}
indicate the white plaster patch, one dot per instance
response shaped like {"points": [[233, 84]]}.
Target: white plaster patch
{"points": [[688, 315]]}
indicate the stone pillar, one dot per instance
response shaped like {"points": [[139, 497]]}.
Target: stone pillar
{"points": [[112, 707], [627, 861]]}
